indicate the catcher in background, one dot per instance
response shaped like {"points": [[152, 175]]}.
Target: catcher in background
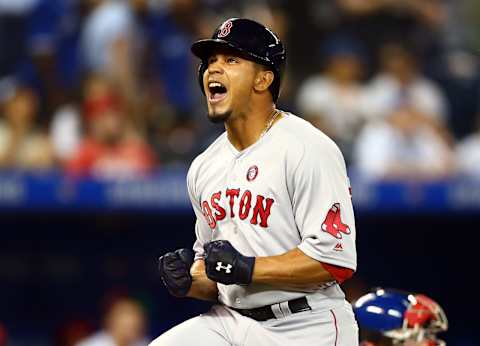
{"points": [[390, 317]]}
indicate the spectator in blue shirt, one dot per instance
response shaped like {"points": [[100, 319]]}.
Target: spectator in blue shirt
{"points": [[170, 33], [53, 37]]}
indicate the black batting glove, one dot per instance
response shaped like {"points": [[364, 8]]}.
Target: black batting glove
{"points": [[224, 264], [174, 268]]}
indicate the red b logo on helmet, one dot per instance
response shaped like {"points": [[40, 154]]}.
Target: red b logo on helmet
{"points": [[225, 28]]}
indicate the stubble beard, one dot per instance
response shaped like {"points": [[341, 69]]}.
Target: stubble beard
{"points": [[218, 118]]}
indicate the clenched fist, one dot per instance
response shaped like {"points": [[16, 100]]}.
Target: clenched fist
{"points": [[174, 268], [224, 264]]}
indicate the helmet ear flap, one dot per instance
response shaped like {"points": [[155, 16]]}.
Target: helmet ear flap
{"points": [[201, 70]]}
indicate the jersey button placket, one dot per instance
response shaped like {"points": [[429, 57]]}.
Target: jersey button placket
{"points": [[235, 169], [235, 228], [233, 175], [236, 180]]}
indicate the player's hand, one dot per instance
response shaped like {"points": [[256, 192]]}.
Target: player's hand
{"points": [[224, 264], [174, 268]]}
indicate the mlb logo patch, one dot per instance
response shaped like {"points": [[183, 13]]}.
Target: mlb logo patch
{"points": [[252, 173]]}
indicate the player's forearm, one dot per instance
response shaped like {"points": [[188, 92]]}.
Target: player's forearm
{"points": [[202, 287], [293, 270]]}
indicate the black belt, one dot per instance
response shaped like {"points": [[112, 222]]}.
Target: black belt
{"points": [[266, 313]]}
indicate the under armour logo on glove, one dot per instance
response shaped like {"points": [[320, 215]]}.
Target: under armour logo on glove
{"points": [[228, 268], [224, 264], [333, 223]]}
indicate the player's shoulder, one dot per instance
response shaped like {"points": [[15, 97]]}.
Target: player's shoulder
{"points": [[301, 135], [206, 157]]}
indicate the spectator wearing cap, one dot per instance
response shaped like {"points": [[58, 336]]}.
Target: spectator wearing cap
{"points": [[23, 145], [111, 147], [334, 100]]}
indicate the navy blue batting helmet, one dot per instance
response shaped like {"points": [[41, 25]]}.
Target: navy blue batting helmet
{"points": [[253, 40]]}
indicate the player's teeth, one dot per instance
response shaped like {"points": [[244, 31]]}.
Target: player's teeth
{"points": [[215, 84]]}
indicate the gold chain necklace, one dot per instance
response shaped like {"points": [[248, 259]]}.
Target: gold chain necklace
{"points": [[274, 115]]}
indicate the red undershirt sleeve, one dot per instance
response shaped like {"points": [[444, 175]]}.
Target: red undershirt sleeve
{"points": [[339, 273]]}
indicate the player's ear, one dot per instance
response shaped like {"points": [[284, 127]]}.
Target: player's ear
{"points": [[263, 80]]}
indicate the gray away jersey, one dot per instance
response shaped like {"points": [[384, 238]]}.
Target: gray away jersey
{"points": [[289, 189]]}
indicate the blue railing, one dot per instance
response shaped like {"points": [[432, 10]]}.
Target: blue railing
{"points": [[165, 192], [161, 192]]}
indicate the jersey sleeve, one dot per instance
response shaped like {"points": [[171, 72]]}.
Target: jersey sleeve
{"points": [[202, 230], [322, 206]]}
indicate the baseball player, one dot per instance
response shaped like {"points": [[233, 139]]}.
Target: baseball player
{"points": [[390, 317], [275, 226]]}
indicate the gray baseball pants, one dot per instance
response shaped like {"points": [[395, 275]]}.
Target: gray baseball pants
{"points": [[222, 326]]}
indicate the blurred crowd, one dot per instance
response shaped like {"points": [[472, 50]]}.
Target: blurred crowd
{"points": [[123, 322], [108, 88]]}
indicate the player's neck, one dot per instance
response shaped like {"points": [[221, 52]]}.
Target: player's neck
{"points": [[245, 129]]}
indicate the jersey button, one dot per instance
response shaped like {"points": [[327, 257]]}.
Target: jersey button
{"points": [[237, 301]]}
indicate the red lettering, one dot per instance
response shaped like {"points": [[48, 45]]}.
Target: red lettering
{"points": [[264, 212], [220, 214], [245, 204], [232, 193], [207, 212]]}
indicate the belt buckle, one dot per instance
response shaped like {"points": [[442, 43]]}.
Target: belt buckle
{"points": [[299, 305], [281, 310]]}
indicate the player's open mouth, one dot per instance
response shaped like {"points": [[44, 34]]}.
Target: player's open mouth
{"points": [[217, 92]]}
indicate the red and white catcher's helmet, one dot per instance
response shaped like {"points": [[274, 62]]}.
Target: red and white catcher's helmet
{"points": [[407, 318], [424, 319]]}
